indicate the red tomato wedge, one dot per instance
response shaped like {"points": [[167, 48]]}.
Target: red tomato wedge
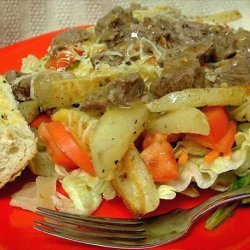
{"points": [[53, 150], [69, 145], [224, 145], [153, 137], [218, 122], [39, 120], [159, 158], [61, 61]]}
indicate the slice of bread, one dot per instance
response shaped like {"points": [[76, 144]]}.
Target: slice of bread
{"points": [[17, 141]]}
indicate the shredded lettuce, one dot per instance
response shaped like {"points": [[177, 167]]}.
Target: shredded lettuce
{"points": [[242, 113], [42, 165], [86, 191], [205, 175], [35, 194], [226, 211], [32, 64], [81, 190]]}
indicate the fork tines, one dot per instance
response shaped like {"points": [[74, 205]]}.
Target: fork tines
{"points": [[90, 230]]}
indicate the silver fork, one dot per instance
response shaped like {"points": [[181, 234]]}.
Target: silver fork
{"points": [[131, 234]]}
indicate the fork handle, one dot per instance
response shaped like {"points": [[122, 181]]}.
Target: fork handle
{"points": [[220, 199]]}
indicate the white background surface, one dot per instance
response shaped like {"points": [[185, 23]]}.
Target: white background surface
{"points": [[20, 19]]}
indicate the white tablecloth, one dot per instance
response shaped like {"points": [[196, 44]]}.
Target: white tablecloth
{"points": [[20, 19]]}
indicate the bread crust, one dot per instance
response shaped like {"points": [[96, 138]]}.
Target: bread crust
{"points": [[17, 141], [19, 169]]}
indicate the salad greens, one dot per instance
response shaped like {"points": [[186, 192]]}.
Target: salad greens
{"points": [[224, 212]]}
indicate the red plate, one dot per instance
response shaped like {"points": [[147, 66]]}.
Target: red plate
{"points": [[16, 224]]}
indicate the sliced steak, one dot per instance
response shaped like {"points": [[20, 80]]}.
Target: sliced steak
{"points": [[120, 92], [20, 85], [112, 60], [115, 26], [184, 70], [181, 74], [233, 71], [68, 38], [243, 41]]}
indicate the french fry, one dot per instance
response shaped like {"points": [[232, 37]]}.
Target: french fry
{"points": [[133, 183], [112, 136]]}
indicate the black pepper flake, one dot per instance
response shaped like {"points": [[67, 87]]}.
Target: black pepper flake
{"points": [[143, 124], [4, 117], [103, 170], [116, 161], [76, 105], [112, 138], [4, 81], [135, 121], [134, 132]]}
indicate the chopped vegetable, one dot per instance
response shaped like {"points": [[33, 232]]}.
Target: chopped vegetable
{"points": [[79, 123], [112, 136], [224, 145], [153, 137], [39, 120], [220, 215], [63, 90], [134, 184], [83, 191], [177, 122], [224, 212], [183, 158], [229, 96], [218, 122], [53, 150], [160, 160], [211, 156], [29, 110], [69, 145], [242, 182], [42, 165], [222, 17], [60, 61], [174, 137]]}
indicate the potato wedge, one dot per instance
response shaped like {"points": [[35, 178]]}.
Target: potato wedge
{"points": [[80, 123], [225, 96], [186, 120], [63, 92], [112, 135], [133, 183], [29, 110]]}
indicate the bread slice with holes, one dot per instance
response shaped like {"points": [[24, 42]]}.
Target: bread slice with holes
{"points": [[17, 141]]}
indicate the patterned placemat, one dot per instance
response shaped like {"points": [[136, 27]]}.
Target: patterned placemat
{"points": [[21, 19]]}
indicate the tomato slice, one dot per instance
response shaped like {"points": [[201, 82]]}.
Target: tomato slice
{"points": [[60, 61], [218, 122], [224, 145], [152, 137], [69, 145], [53, 150], [159, 158], [39, 120]]}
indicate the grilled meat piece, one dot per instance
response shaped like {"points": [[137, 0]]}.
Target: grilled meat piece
{"points": [[114, 27], [67, 38], [183, 71], [112, 60], [20, 85], [123, 91]]}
